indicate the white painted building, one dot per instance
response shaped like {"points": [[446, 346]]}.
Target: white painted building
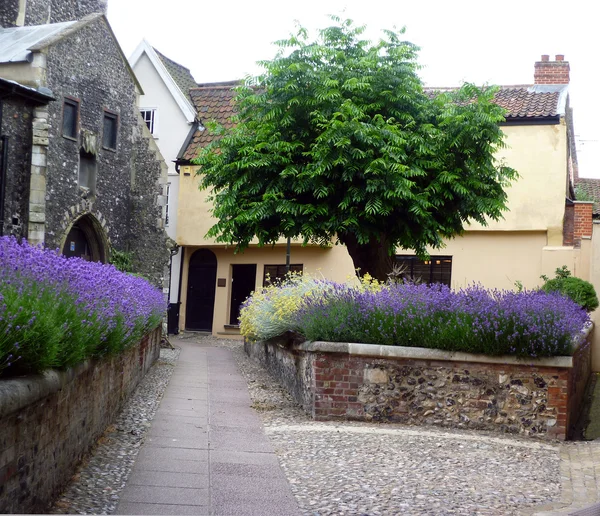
{"points": [[167, 109]]}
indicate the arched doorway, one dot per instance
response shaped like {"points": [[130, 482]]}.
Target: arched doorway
{"points": [[202, 280], [85, 240]]}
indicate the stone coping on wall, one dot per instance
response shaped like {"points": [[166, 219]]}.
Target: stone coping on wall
{"points": [[404, 352], [17, 393]]}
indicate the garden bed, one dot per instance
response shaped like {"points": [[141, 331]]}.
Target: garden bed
{"points": [[540, 397], [50, 421]]}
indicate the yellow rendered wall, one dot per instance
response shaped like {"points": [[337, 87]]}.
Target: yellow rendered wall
{"points": [[537, 199], [332, 263], [494, 259], [499, 259]]}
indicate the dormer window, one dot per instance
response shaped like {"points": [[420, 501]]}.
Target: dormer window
{"points": [[70, 118], [110, 130]]}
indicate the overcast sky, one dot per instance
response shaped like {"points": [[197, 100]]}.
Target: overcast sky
{"points": [[477, 41]]}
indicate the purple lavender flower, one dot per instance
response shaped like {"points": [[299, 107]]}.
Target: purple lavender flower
{"points": [[63, 310], [476, 320]]}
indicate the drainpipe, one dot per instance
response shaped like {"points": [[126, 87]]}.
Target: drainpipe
{"points": [[288, 254], [3, 170]]}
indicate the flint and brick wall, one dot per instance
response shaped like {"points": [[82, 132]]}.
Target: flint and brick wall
{"points": [[50, 421], [537, 397]]}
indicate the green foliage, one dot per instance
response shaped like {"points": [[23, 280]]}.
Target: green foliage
{"points": [[338, 139], [583, 195], [122, 260], [580, 291]]}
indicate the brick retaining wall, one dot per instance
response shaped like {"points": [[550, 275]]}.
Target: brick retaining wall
{"points": [[537, 397], [48, 422]]}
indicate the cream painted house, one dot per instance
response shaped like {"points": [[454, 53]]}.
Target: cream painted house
{"points": [[167, 109], [542, 230]]}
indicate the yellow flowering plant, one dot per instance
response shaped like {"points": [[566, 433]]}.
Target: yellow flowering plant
{"points": [[271, 311]]}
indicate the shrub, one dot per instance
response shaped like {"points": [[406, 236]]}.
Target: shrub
{"points": [[474, 320], [580, 291], [57, 311], [272, 311]]}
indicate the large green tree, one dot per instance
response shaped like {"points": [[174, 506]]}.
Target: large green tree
{"points": [[337, 140]]}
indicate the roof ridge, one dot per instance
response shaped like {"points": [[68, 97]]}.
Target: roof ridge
{"points": [[218, 84], [169, 59]]}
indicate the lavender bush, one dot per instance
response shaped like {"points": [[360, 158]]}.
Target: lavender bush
{"points": [[474, 320], [56, 312]]}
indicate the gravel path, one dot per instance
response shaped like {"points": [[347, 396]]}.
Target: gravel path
{"points": [[96, 486]]}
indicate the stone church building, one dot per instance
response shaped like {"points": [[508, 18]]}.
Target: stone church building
{"points": [[79, 170]]}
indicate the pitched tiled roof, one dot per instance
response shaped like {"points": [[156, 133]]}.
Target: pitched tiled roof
{"points": [[181, 75], [525, 101], [214, 103], [590, 187], [521, 102]]}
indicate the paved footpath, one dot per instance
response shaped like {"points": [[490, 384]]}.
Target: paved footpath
{"points": [[206, 452]]}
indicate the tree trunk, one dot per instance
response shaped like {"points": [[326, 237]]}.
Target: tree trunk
{"points": [[372, 258]]}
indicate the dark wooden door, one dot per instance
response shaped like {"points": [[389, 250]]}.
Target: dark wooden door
{"points": [[243, 283], [202, 280]]}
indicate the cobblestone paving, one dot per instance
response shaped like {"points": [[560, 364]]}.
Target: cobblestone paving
{"points": [[356, 468]]}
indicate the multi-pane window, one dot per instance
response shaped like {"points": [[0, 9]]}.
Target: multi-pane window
{"points": [[150, 117], [275, 273], [110, 130], [70, 118], [438, 269]]}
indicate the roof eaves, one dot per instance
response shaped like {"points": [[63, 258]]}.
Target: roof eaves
{"points": [[41, 96], [184, 104], [188, 139]]}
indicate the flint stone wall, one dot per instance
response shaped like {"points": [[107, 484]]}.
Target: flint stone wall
{"points": [[535, 397], [50, 421]]}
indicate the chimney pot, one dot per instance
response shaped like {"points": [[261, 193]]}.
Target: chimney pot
{"points": [[551, 72]]}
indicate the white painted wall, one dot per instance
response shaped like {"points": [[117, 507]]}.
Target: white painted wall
{"points": [[172, 131]]}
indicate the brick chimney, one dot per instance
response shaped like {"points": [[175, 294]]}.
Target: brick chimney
{"points": [[582, 221], [551, 72]]}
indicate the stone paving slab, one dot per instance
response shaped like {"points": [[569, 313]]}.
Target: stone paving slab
{"points": [[161, 509], [204, 437], [168, 479]]}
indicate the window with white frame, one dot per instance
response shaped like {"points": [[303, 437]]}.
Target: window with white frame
{"points": [[150, 116], [167, 195]]}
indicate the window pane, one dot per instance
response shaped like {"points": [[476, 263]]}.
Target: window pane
{"points": [[438, 269], [109, 137], [148, 116], [275, 273], [70, 109]]}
